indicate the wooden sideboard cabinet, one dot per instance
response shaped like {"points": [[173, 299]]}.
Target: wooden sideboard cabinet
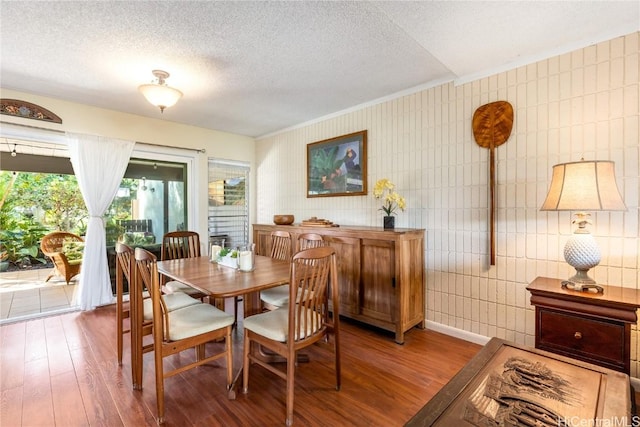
{"points": [[594, 328], [381, 272]]}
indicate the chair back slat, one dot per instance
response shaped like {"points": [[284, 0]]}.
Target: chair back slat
{"points": [[180, 244], [280, 245]]}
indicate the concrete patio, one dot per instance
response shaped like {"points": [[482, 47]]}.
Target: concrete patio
{"points": [[25, 294]]}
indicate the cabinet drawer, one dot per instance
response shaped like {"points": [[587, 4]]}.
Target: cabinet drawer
{"points": [[590, 339]]}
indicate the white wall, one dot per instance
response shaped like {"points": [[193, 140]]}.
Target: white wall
{"points": [[581, 104], [96, 121]]}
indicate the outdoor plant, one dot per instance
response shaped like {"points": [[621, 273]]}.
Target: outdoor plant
{"points": [[22, 243], [392, 201]]}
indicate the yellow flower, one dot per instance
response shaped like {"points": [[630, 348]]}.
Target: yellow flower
{"points": [[392, 200]]}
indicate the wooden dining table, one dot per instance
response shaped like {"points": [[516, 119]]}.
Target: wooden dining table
{"points": [[220, 281]]}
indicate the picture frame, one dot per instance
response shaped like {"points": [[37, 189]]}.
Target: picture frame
{"points": [[338, 166]]}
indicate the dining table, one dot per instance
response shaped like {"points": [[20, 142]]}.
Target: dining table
{"points": [[221, 281]]}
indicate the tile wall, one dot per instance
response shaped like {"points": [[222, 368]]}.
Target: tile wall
{"points": [[583, 104]]}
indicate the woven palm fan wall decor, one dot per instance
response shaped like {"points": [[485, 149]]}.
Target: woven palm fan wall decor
{"points": [[492, 124]]}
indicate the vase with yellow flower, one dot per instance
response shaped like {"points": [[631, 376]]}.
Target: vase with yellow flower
{"points": [[392, 201]]}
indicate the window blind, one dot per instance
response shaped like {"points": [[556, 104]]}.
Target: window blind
{"points": [[228, 216]]}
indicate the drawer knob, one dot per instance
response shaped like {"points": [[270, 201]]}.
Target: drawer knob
{"points": [[577, 335]]}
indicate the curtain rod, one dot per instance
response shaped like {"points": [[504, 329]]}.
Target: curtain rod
{"points": [[61, 133]]}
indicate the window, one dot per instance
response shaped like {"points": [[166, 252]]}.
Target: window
{"points": [[151, 201], [229, 202]]}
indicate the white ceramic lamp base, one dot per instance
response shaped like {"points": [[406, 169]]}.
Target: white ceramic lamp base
{"points": [[582, 253]]}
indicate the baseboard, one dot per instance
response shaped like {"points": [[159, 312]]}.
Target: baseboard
{"points": [[457, 333]]}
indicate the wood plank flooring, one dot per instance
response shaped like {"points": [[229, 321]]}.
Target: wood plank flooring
{"points": [[63, 371]]}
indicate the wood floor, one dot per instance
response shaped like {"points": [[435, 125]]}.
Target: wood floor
{"points": [[63, 371]]}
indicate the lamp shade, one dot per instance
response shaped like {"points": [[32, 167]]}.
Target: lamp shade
{"points": [[584, 186], [160, 95]]}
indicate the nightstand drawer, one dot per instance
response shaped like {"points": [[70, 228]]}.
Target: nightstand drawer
{"points": [[589, 339], [594, 328]]}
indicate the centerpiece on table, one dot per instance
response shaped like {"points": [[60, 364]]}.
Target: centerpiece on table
{"points": [[392, 201], [228, 257]]}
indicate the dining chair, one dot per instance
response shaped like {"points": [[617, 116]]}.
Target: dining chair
{"points": [[281, 247], [311, 240], [185, 244], [180, 244], [124, 264], [286, 331], [139, 327], [183, 329]]}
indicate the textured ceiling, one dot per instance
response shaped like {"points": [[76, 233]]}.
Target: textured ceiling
{"points": [[254, 68]]}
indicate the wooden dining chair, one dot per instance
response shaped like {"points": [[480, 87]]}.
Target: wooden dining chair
{"points": [[180, 244], [286, 331], [281, 247], [183, 329], [124, 267], [186, 244], [139, 326], [311, 240]]}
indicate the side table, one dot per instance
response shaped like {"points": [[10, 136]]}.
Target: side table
{"points": [[594, 328]]}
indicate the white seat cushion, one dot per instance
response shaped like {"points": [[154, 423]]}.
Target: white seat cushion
{"points": [[175, 286], [274, 324], [173, 302], [195, 320], [277, 297]]}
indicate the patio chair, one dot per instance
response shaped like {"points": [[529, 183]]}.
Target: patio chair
{"points": [[65, 250]]}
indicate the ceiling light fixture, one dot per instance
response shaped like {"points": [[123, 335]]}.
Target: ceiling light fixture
{"points": [[158, 93]]}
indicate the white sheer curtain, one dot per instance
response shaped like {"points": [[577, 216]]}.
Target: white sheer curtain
{"points": [[99, 164]]}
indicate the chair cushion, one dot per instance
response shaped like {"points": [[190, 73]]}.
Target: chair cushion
{"points": [[175, 286], [195, 320], [277, 297], [274, 324], [174, 301], [73, 249]]}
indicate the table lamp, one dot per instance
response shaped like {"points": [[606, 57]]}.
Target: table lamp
{"points": [[583, 186]]}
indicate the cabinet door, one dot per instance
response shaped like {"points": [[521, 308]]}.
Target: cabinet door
{"points": [[348, 260], [378, 288]]}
